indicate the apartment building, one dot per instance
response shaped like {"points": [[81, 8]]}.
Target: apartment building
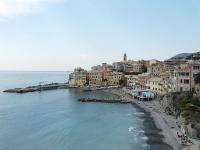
{"points": [[98, 76], [115, 79], [95, 78], [157, 69], [142, 80], [130, 80], [133, 66], [182, 78], [156, 84]]}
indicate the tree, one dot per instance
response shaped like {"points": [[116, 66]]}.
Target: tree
{"points": [[144, 68], [197, 78]]}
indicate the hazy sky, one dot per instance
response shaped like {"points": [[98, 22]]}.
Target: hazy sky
{"points": [[63, 34]]}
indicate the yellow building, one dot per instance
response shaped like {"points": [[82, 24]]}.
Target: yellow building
{"points": [[115, 78], [98, 76], [156, 84], [131, 80], [95, 78]]}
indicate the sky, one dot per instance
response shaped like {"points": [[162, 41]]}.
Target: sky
{"points": [[58, 35]]}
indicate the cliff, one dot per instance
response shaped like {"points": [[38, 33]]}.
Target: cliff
{"points": [[186, 108]]}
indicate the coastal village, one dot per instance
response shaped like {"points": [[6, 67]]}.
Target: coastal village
{"points": [[160, 77], [173, 83], [99, 74]]}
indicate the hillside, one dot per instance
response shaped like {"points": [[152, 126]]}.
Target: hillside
{"points": [[182, 56]]}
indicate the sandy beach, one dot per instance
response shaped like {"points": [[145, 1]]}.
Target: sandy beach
{"points": [[165, 122]]}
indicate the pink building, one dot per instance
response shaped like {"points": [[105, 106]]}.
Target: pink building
{"points": [[184, 76], [142, 80]]}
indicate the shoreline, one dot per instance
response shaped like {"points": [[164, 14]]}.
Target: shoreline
{"points": [[159, 124], [158, 131], [151, 130]]}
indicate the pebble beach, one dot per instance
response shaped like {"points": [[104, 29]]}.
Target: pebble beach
{"points": [[163, 122]]}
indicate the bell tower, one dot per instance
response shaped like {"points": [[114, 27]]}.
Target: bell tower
{"points": [[125, 57]]}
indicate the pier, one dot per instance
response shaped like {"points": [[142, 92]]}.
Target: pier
{"points": [[36, 88], [104, 100]]}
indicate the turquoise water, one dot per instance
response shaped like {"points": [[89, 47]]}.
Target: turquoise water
{"points": [[55, 120]]}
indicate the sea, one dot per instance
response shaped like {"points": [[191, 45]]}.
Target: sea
{"points": [[56, 120]]}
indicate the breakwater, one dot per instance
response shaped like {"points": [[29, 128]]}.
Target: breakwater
{"points": [[36, 88], [104, 100]]}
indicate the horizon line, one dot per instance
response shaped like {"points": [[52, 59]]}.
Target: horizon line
{"points": [[36, 70]]}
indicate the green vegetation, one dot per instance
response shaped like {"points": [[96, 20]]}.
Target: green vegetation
{"points": [[144, 68], [188, 105]]}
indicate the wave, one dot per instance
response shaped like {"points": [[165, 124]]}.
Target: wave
{"points": [[134, 129], [144, 138]]}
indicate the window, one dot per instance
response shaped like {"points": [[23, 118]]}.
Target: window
{"points": [[186, 81], [181, 81], [184, 73], [187, 73], [196, 67]]}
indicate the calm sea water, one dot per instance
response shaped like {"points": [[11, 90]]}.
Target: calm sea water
{"points": [[55, 120]]}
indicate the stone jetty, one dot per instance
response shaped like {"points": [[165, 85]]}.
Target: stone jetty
{"points": [[104, 100], [36, 88]]}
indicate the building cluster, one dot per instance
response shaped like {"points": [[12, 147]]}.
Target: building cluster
{"points": [[157, 76]]}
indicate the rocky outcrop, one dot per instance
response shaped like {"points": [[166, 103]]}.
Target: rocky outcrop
{"points": [[190, 128], [168, 104], [188, 124], [193, 130]]}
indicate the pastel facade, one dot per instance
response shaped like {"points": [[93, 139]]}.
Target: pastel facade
{"points": [[106, 72], [98, 76], [95, 78], [129, 65], [156, 85], [115, 79], [131, 80], [157, 69], [161, 77], [184, 76], [133, 66], [142, 80]]}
